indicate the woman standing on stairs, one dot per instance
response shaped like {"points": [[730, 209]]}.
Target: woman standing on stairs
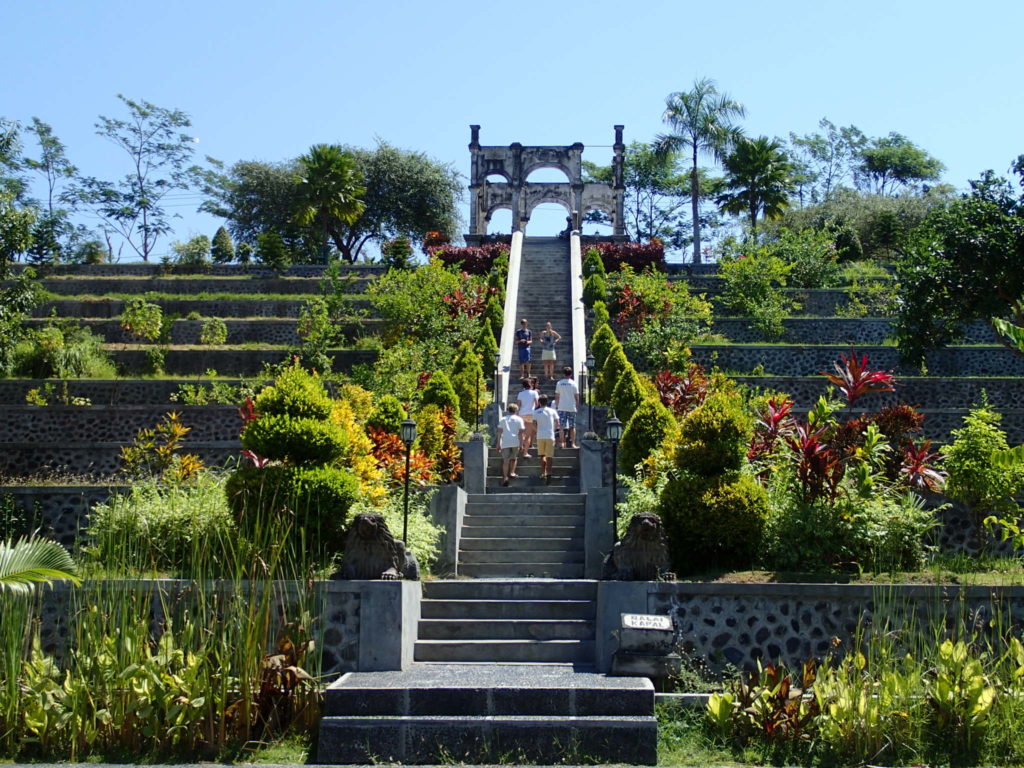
{"points": [[524, 340], [548, 338]]}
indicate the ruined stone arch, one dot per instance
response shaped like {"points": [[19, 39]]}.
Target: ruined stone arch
{"points": [[516, 162]]}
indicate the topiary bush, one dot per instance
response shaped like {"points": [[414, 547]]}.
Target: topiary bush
{"points": [[714, 515], [650, 426], [494, 315], [609, 374], [440, 392], [295, 392], [388, 414], [593, 264], [595, 289], [222, 250], [486, 345], [629, 392], [294, 440], [601, 316], [601, 343], [467, 377]]}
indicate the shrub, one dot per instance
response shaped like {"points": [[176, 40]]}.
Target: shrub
{"points": [[160, 527], [638, 256], [62, 350], [601, 344], [467, 376], [811, 256], [294, 439], [222, 250], [713, 522], [592, 263], [142, 319], [714, 436], [486, 345], [753, 285], [388, 414], [297, 393], [601, 316], [311, 504], [193, 252], [397, 253], [361, 400], [429, 436], [595, 288], [609, 374], [214, 331], [629, 392], [272, 252], [650, 426], [474, 259], [494, 315], [439, 392]]}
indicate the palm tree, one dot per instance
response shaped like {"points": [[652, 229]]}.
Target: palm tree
{"points": [[759, 177], [330, 188], [29, 561], [702, 122]]}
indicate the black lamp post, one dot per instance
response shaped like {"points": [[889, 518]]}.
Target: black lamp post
{"points": [[408, 437], [476, 403], [590, 363], [613, 430]]}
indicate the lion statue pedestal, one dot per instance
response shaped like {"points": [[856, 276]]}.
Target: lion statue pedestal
{"points": [[642, 555]]}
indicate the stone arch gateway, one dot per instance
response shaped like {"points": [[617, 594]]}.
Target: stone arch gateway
{"points": [[514, 163]]}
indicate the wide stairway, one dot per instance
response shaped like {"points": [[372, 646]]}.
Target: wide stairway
{"points": [[505, 654]]}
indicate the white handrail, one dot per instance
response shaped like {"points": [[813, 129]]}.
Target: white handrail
{"points": [[508, 327], [579, 312]]}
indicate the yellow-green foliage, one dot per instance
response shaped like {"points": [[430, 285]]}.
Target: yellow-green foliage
{"points": [[609, 374], [358, 453], [601, 343], [629, 392], [486, 345], [467, 380], [295, 392], [294, 440], [429, 436], [388, 414], [714, 515], [601, 316], [651, 425], [595, 288], [361, 400], [439, 392]]}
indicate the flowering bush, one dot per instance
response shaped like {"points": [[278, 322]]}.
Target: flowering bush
{"points": [[637, 256], [474, 259]]}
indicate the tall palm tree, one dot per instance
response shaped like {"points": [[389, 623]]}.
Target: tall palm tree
{"points": [[329, 192], [702, 123], [759, 178], [701, 120], [29, 561]]}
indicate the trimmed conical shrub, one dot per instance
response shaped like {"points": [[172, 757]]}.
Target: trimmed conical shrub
{"points": [[222, 250], [601, 344], [651, 425], [440, 392], [629, 392]]}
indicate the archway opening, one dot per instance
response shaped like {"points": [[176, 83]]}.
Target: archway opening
{"points": [[500, 222], [597, 223], [547, 220], [547, 176]]}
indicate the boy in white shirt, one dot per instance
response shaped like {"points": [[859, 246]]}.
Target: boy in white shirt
{"points": [[509, 428], [545, 421], [527, 399], [567, 398]]}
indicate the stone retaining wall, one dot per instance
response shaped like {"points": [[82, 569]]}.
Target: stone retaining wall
{"points": [[279, 331], [230, 362], [838, 330], [807, 360], [141, 269], [734, 625], [92, 459], [104, 391], [107, 424], [74, 286], [254, 307], [62, 510]]}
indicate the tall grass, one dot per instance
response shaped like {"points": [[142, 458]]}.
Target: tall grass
{"points": [[168, 668]]}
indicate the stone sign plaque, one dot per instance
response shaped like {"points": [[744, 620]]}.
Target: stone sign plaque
{"points": [[645, 621]]}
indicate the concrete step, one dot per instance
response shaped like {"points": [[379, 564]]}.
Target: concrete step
{"points": [[508, 629], [563, 557], [531, 485], [524, 520], [411, 740], [512, 497], [521, 570], [468, 544], [510, 589], [558, 463], [538, 531], [554, 507], [508, 609], [499, 651]]}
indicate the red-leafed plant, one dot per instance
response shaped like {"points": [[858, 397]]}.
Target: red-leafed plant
{"points": [[421, 383], [448, 462], [917, 467], [435, 239], [775, 422], [467, 303], [257, 461], [819, 467], [389, 453], [247, 411], [635, 255], [474, 259], [854, 379], [681, 394]]}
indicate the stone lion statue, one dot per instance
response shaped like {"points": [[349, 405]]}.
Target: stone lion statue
{"points": [[371, 552], [642, 554]]}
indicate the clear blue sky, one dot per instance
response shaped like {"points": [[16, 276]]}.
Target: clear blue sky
{"points": [[265, 80]]}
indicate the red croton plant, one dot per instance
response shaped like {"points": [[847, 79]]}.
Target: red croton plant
{"points": [[822, 452], [681, 394]]}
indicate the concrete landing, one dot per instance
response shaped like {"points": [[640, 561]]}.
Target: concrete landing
{"points": [[477, 713]]}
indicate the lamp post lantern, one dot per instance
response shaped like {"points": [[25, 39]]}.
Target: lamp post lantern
{"points": [[613, 430], [408, 437]]}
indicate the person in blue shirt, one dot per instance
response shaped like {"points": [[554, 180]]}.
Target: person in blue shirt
{"points": [[524, 339]]}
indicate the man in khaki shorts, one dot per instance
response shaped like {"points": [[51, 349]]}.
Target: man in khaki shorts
{"points": [[545, 421], [509, 428]]}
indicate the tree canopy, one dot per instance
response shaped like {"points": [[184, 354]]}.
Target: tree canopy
{"points": [[758, 179]]}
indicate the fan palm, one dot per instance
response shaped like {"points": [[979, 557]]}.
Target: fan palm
{"points": [[702, 123], [329, 191], [30, 561], [759, 178]]}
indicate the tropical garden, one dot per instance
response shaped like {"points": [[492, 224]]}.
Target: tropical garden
{"points": [[760, 468]]}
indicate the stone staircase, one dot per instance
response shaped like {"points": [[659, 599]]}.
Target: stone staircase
{"points": [[495, 713]]}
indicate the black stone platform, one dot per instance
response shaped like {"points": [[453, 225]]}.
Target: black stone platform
{"points": [[488, 713]]}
